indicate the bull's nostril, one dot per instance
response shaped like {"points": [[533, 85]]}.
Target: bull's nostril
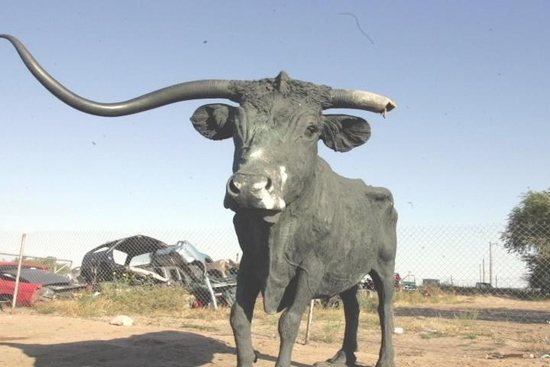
{"points": [[232, 188], [268, 184]]}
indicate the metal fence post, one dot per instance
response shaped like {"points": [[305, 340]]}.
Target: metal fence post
{"points": [[16, 290], [309, 320]]}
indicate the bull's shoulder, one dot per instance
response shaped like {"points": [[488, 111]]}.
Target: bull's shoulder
{"points": [[380, 197], [378, 193], [353, 187]]}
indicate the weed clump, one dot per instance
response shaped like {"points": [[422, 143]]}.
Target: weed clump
{"points": [[120, 297]]}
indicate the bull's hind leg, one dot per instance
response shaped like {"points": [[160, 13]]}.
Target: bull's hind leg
{"points": [[241, 319], [346, 355], [384, 281]]}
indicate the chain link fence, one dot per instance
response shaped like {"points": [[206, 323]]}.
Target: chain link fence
{"points": [[467, 260]]}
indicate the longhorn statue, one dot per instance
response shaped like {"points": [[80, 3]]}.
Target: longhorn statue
{"points": [[305, 231]]}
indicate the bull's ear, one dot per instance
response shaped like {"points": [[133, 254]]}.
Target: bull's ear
{"points": [[214, 121], [342, 133]]}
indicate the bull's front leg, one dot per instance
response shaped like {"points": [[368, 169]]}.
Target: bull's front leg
{"points": [[289, 322], [384, 280], [241, 318], [346, 355]]}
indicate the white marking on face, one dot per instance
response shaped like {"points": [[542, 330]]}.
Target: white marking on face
{"points": [[256, 154], [284, 176], [268, 201]]}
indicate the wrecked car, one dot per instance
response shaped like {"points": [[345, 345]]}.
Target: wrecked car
{"points": [[212, 283], [109, 261], [36, 284]]}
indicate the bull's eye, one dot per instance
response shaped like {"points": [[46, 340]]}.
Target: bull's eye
{"points": [[312, 131]]}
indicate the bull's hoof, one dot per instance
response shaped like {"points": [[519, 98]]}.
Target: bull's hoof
{"points": [[248, 362], [385, 363], [340, 359]]}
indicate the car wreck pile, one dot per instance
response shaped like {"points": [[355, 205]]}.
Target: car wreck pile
{"points": [[145, 259]]}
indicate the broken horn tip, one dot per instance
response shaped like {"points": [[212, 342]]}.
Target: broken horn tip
{"points": [[390, 106]]}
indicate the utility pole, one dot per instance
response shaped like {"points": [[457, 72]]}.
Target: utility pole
{"points": [[480, 280]]}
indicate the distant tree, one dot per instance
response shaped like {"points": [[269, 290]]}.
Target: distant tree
{"points": [[527, 234]]}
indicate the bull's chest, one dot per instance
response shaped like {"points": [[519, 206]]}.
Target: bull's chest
{"points": [[277, 253], [295, 246]]}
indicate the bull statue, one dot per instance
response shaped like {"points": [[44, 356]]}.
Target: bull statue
{"points": [[305, 231]]}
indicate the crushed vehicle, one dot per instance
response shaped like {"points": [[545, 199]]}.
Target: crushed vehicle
{"points": [[368, 284], [111, 260], [36, 284], [212, 283], [408, 283]]}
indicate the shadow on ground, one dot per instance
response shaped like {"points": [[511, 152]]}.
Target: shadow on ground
{"points": [[493, 314], [166, 348]]}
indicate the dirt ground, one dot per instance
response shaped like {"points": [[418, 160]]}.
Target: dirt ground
{"points": [[30, 339]]}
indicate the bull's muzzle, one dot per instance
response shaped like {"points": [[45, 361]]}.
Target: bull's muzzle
{"points": [[253, 191]]}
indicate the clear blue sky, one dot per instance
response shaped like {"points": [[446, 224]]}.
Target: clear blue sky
{"points": [[471, 132]]}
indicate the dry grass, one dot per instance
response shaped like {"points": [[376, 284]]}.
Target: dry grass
{"points": [[169, 307], [436, 296], [120, 298]]}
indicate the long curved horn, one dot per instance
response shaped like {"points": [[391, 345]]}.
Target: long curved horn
{"points": [[357, 99], [176, 93]]}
